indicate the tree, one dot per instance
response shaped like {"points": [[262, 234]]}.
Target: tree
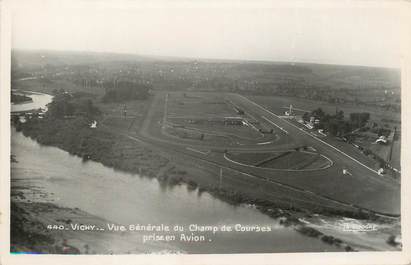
{"points": [[318, 113], [339, 115], [125, 90], [306, 116], [332, 128], [359, 119]]}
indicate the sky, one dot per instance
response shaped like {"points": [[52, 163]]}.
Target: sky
{"points": [[335, 33]]}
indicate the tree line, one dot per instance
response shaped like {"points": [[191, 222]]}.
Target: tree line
{"points": [[336, 124], [125, 90]]}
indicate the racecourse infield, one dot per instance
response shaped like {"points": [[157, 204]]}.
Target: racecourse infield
{"points": [[363, 188]]}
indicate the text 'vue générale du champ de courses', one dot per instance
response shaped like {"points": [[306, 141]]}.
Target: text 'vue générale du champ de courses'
{"points": [[163, 232]]}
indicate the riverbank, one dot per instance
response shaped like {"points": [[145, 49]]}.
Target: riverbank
{"points": [[36, 230], [32, 101], [29, 232], [37, 220], [75, 136], [33, 210], [58, 178], [31, 214]]}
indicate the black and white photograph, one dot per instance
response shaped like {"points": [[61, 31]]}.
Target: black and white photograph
{"points": [[205, 127]]}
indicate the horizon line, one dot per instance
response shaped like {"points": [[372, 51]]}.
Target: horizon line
{"points": [[154, 56]]}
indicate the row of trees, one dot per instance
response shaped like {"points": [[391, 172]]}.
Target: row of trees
{"points": [[65, 104], [335, 124], [125, 90]]}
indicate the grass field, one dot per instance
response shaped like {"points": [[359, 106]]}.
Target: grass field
{"points": [[114, 113], [396, 154], [194, 135], [193, 114], [295, 160]]}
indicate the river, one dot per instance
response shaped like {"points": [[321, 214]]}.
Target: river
{"points": [[39, 101], [131, 199]]}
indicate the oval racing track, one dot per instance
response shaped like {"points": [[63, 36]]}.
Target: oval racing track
{"points": [[149, 134]]}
